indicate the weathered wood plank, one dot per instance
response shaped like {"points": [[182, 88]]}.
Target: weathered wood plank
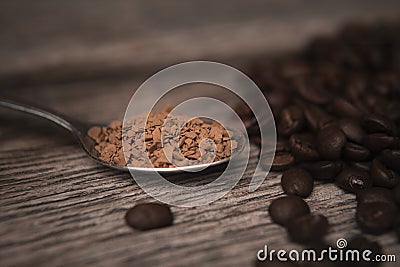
{"points": [[58, 207]]}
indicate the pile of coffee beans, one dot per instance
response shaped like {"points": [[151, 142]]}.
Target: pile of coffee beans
{"points": [[337, 111]]}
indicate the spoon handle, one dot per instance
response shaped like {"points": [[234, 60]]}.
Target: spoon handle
{"points": [[40, 112]]}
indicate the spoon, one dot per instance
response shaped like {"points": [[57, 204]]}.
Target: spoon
{"points": [[79, 129]]}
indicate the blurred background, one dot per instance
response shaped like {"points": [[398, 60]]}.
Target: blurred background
{"points": [[53, 40]]}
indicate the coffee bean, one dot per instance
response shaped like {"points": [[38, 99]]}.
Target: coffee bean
{"points": [[355, 86], [353, 180], [375, 218], [361, 106], [291, 121], [352, 129], [396, 194], [376, 194], [285, 209], [355, 152], [383, 176], [302, 147], [396, 227], [297, 181], [344, 108], [363, 166], [375, 123], [391, 159], [316, 95], [323, 170], [316, 117], [308, 228], [379, 141], [283, 159], [278, 98], [393, 113], [397, 231], [361, 243], [149, 216], [330, 142]]}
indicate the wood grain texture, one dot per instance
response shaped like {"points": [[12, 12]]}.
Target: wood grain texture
{"points": [[59, 208]]}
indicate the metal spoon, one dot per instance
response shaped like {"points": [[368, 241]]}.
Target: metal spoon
{"points": [[79, 129]]}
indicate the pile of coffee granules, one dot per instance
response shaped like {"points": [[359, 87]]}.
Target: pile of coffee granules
{"points": [[337, 108], [182, 145]]}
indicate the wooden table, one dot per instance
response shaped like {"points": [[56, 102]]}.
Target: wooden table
{"points": [[59, 208]]}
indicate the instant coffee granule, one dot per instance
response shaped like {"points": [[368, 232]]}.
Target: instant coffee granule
{"points": [[182, 145], [109, 142]]}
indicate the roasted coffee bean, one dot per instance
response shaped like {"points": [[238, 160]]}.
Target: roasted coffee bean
{"points": [[363, 166], [344, 108], [376, 194], [393, 112], [383, 176], [396, 194], [282, 145], [285, 209], [283, 159], [297, 181], [323, 170], [330, 142], [379, 141], [375, 123], [397, 231], [352, 129], [355, 152], [302, 147], [316, 95], [316, 117], [391, 159], [148, 216], [396, 227], [291, 121], [361, 243], [308, 228], [355, 86], [353, 180], [277, 99], [375, 218]]}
